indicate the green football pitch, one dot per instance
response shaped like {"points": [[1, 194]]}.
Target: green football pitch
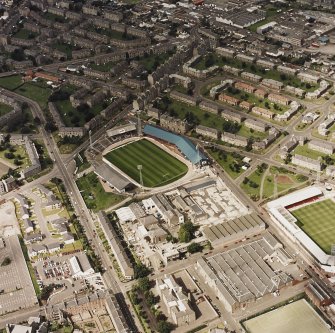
{"points": [[317, 220], [158, 167]]}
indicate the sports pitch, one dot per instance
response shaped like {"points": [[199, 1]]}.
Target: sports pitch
{"points": [[158, 167], [297, 317], [317, 220]]}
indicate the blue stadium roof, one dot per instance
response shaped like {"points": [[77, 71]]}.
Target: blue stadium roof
{"points": [[185, 145]]}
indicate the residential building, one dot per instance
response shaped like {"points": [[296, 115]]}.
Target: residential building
{"points": [[233, 139], [321, 146], [255, 125], [307, 162], [207, 132]]}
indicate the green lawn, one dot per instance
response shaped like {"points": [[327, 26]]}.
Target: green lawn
{"points": [[317, 221], [25, 34], [152, 61], [181, 110], [103, 67], [64, 47], [252, 188], [227, 160], [38, 92], [208, 60], [19, 152], [10, 82], [94, 194], [159, 167], [54, 17], [73, 117], [281, 178], [305, 151], [4, 108]]}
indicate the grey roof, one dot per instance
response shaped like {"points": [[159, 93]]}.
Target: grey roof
{"points": [[112, 177]]}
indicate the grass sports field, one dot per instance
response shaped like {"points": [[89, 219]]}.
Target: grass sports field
{"points": [[296, 317], [317, 220], [158, 167]]}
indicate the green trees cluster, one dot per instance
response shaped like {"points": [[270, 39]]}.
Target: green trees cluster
{"points": [[186, 232]]}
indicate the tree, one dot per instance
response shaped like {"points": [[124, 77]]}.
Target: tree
{"points": [[141, 271], [194, 247], [165, 327], [9, 155], [186, 232], [144, 284], [6, 261]]}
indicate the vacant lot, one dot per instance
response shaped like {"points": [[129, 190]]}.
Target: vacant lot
{"points": [[297, 317], [158, 167], [317, 220]]}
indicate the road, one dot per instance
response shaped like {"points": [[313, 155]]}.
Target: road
{"points": [[78, 203]]}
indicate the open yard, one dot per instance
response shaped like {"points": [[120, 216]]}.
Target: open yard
{"points": [[4, 108], [158, 167], [65, 48], [317, 221], [10, 82], [25, 34], [37, 91], [296, 317], [152, 61], [94, 195]]}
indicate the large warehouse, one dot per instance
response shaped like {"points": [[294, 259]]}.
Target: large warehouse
{"points": [[244, 274]]}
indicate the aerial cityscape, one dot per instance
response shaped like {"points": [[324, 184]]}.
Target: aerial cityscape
{"points": [[167, 166]]}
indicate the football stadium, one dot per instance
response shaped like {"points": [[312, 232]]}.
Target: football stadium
{"points": [[307, 218], [143, 158]]}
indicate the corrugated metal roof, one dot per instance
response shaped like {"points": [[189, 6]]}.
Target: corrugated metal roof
{"points": [[185, 145]]}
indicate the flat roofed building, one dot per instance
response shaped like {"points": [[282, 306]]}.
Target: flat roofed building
{"points": [[175, 300], [242, 275]]}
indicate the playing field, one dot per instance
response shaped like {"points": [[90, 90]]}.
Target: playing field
{"points": [[158, 167], [297, 317], [317, 221]]}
